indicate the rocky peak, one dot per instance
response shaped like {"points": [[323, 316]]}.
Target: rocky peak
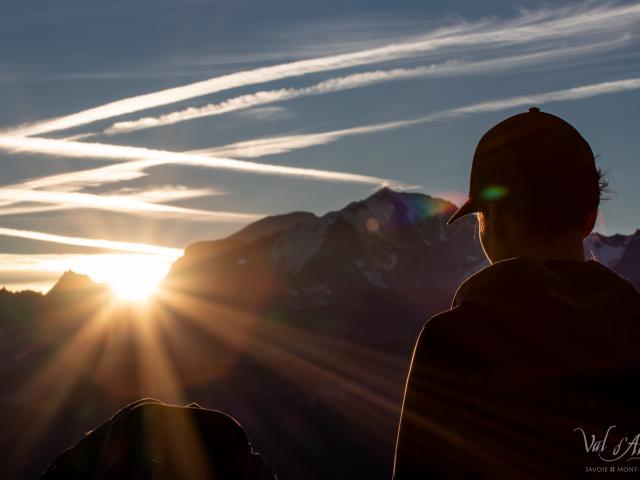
{"points": [[73, 283]]}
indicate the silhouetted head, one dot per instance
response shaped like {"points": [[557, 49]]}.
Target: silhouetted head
{"points": [[535, 187]]}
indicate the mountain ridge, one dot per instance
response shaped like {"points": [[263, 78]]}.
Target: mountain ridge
{"points": [[372, 214]]}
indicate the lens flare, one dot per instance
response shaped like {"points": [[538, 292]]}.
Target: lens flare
{"points": [[495, 192]]}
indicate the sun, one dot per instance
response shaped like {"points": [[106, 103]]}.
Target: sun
{"points": [[134, 278], [131, 277], [134, 288]]}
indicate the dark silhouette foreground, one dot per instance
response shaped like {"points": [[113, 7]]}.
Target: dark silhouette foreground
{"points": [[533, 373], [151, 440], [529, 352]]}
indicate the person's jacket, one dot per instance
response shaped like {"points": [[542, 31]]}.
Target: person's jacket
{"points": [[524, 375]]}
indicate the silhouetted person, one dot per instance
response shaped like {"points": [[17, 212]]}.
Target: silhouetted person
{"points": [[541, 349]]}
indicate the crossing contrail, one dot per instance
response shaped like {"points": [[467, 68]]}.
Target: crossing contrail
{"points": [[529, 27]]}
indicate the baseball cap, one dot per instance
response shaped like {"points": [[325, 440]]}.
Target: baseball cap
{"points": [[528, 156]]}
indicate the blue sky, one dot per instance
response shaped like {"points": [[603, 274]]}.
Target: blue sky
{"points": [[366, 92]]}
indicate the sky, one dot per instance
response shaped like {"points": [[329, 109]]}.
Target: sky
{"points": [[130, 129]]}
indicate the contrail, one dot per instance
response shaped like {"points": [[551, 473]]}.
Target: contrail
{"points": [[576, 93], [92, 243], [358, 80], [124, 203], [283, 144], [154, 195], [6, 211], [533, 26], [159, 157], [75, 180]]}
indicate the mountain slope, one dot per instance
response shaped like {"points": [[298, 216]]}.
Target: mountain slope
{"points": [[619, 252], [392, 246]]}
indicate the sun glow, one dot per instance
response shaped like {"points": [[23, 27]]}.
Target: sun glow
{"points": [[131, 277], [134, 288]]}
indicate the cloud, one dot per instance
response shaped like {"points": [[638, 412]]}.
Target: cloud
{"points": [[6, 211], [283, 144], [139, 203], [268, 113], [166, 193], [359, 80], [93, 242], [529, 27], [40, 271], [152, 157], [576, 93], [214, 157], [91, 177]]}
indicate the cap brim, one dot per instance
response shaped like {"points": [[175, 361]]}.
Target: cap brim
{"points": [[466, 208]]}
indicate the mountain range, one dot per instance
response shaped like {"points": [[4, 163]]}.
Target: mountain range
{"points": [[299, 325]]}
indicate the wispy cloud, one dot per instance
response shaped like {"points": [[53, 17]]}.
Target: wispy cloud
{"points": [[530, 27], [268, 113], [576, 93], [79, 179], [20, 270], [25, 210], [124, 200], [165, 193], [359, 80], [266, 97], [214, 157], [131, 203], [283, 144], [154, 157], [92, 242]]}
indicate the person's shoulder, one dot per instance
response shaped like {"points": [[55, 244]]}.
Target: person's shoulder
{"points": [[497, 279], [446, 328], [612, 278], [447, 343], [448, 322]]}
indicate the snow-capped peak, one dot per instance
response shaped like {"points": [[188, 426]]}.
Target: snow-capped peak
{"points": [[609, 250]]}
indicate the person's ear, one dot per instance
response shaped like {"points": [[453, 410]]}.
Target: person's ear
{"points": [[590, 223]]}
